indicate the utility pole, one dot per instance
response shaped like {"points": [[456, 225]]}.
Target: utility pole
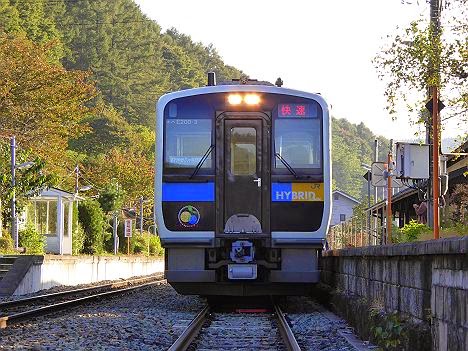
{"points": [[369, 175], [435, 161], [141, 224], [141, 215], [432, 128], [115, 223], [14, 226], [435, 22], [376, 190], [376, 159], [389, 193]]}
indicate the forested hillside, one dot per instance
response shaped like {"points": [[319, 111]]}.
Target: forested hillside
{"points": [[353, 144], [115, 62]]}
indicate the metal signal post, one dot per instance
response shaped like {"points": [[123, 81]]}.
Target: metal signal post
{"points": [[435, 160], [14, 223]]}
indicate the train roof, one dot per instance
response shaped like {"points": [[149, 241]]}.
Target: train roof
{"points": [[247, 82], [226, 88]]}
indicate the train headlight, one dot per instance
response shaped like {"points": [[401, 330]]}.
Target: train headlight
{"points": [[234, 99], [252, 99]]}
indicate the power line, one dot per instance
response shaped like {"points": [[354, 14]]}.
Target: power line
{"points": [[90, 182], [52, 2], [100, 23]]}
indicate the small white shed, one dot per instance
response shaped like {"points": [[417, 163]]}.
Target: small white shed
{"points": [[51, 213], [343, 205]]}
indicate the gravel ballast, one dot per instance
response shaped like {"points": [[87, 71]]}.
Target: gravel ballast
{"points": [[148, 319], [152, 318]]}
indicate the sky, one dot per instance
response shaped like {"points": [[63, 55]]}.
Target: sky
{"points": [[315, 46]]}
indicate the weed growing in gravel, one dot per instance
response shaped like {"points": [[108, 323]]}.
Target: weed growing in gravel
{"points": [[389, 335]]}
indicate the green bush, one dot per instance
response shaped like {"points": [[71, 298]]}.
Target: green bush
{"points": [[412, 231], [460, 229], [30, 239], [94, 225], [78, 235], [6, 243], [397, 236], [138, 244], [78, 239], [155, 246]]}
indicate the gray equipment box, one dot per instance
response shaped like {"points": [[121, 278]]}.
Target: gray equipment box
{"points": [[412, 161]]}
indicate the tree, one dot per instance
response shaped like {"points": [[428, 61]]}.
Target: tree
{"points": [[422, 56], [35, 19], [133, 171], [111, 197], [352, 145], [29, 182], [121, 46], [9, 18], [41, 103], [206, 57], [456, 212], [133, 63], [94, 224], [108, 129]]}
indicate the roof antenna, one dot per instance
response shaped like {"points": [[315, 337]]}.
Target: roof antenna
{"points": [[211, 79], [279, 82]]}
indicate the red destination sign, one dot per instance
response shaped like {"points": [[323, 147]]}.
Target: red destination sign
{"points": [[296, 110]]}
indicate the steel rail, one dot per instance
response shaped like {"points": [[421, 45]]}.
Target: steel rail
{"points": [[191, 332], [6, 320], [285, 331], [118, 284]]}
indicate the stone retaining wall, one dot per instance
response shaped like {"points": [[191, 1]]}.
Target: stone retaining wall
{"points": [[424, 283], [36, 273]]}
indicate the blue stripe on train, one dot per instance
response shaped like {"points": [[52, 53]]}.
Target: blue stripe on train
{"points": [[188, 192]]}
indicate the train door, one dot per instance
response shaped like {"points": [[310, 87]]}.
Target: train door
{"points": [[243, 175]]}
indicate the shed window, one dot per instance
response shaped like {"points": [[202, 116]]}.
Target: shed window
{"points": [[66, 222], [44, 216], [342, 217]]}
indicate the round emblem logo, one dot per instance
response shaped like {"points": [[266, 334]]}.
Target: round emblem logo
{"points": [[189, 216]]}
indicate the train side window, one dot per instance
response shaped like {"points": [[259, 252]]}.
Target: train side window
{"points": [[187, 140], [243, 151], [298, 142]]}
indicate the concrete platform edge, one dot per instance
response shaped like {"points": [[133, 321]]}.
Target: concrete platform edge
{"points": [[30, 274]]}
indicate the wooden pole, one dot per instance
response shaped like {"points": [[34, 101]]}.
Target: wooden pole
{"points": [[435, 160]]}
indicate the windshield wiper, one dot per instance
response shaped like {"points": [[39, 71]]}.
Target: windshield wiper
{"points": [[287, 165], [203, 159]]}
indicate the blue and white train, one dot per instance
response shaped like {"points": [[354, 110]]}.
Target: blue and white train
{"points": [[242, 188]]}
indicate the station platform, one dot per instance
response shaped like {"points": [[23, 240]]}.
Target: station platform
{"points": [[26, 274]]}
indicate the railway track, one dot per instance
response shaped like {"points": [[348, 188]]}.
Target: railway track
{"points": [[235, 331], [23, 309]]}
